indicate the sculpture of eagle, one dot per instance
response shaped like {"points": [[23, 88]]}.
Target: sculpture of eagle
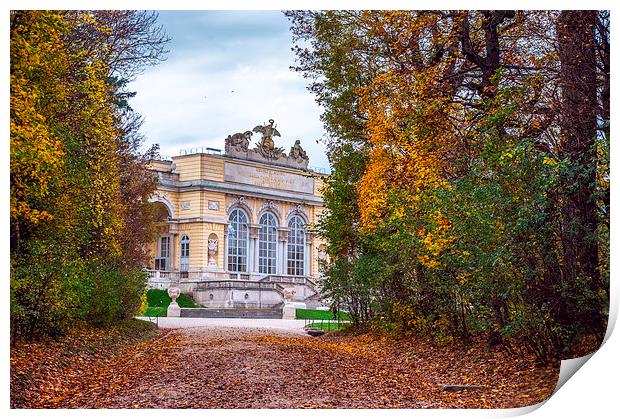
{"points": [[267, 147], [267, 130]]}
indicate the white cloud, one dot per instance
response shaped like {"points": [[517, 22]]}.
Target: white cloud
{"points": [[211, 90]]}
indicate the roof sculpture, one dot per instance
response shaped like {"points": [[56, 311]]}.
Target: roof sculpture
{"points": [[237, 145]]}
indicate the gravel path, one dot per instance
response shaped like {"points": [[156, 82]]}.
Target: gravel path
{"points": [[234, 367], [253, 367]]}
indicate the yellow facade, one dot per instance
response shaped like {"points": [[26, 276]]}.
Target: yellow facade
{"points": [[201, 190]]}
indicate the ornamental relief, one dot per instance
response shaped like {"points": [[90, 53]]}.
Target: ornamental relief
{"points": [[298, 210], [212, 247], [239, 201], [270, 206], [238, 145]]}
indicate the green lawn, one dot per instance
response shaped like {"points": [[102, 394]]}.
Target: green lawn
{"points": [[159, 300], [155, 312], [326, 325], [310, 314]]}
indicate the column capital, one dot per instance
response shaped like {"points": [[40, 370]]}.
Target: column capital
{"points": [[283, 233], [254, 230]]}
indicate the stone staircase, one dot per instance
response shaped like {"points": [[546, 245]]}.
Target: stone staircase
{"points": [[230, 313]]}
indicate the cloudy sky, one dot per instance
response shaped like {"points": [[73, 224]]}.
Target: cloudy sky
{"points": [[227, 71]]}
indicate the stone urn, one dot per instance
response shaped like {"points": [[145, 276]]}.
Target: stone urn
{"points": [[173, 309], [212, 252], [290, 308]]}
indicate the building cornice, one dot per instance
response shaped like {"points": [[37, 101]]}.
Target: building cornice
{"points": [[240, 189], [271, 166]]}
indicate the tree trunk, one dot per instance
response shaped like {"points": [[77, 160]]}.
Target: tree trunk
{"points": [[575, 31]]}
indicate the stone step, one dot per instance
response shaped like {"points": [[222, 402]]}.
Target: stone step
{"points": [[230, 313]]}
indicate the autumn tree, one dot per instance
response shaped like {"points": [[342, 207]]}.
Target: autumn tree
{"points": [[79, 188], [37, 56], [459, 200]]}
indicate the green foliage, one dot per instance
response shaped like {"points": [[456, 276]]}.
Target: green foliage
{"points": [[116, 295], [185, 301], [47, 291], [155, 312], [157, 298], [339, 227]]}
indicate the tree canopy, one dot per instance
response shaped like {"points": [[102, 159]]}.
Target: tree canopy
{"points": [[79, 188], [469, 192]]}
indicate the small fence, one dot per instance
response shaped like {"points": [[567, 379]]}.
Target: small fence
{"points": [[200, 150], [321, 170]]}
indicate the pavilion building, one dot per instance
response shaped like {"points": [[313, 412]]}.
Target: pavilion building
{"points": [[236, 228]]}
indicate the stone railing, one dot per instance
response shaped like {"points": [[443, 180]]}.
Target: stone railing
{"points": [[246, 285], [239, 276], [196, 274], [201, 150], [289, 279], [157, 274], [321, 170], [162, 278]]}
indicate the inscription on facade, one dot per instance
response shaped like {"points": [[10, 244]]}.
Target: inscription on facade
{"points": [[267, 178]]}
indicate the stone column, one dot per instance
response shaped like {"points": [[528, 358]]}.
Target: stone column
{"points": [[307, 255], [173, 252], [173, 232], [253, 261], [283, 237], [225, 264]]}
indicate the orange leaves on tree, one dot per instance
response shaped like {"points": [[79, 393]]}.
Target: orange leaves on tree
{"points": [[407, 125]]}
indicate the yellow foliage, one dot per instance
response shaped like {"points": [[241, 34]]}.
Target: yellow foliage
{"points": [[409, 130], [57, 92], [36, 151]]}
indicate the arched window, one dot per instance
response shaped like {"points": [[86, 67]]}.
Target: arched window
{"points": [[184, 265], [267, 243], [238, 241], [296, 245]]}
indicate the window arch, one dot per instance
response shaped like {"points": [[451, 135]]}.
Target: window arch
{"points": [[238, 241], [184, 253], [267, 243], [296, 246]]}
